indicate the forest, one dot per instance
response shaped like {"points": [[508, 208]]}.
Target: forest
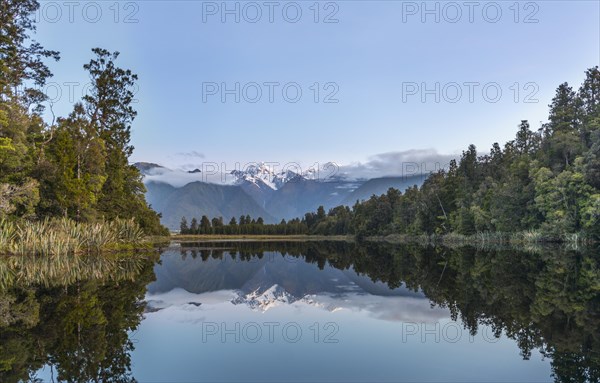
{"points": [[75, 167]]}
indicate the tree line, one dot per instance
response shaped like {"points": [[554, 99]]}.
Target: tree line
{"points": [[76, 166], [245, 225]]}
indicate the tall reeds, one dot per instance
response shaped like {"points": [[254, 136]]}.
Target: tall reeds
{"points": [[64, 236]]}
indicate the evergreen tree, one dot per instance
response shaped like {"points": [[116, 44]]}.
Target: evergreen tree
{"points": [[183, 226], [205, 227], [194, 226]]}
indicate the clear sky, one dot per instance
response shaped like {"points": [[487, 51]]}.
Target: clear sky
{"points": [[373, 61]]}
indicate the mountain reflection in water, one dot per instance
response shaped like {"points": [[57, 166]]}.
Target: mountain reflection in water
{"points": [[114, 320]]}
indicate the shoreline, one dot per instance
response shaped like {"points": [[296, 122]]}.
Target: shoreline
{"points": [[187, 238]]}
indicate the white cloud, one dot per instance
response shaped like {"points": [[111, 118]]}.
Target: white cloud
{"points": [[403, 163], [179, 177]]}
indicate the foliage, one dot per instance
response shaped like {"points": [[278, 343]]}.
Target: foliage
{"points": [[76, 166], [245, 226], [59, 237]]}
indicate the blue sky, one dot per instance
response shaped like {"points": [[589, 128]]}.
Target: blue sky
{"points": [[376, 60]]}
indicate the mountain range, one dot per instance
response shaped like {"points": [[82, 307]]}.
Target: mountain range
{"points": [[258, 191]]}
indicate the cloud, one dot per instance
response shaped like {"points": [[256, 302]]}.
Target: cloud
{"points": [[388, 308], [180, 177], [192, 154], [403, 163], [174, 306]]}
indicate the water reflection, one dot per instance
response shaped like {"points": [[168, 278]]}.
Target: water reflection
{"points": [[544, 300], [70, 318], [73, 321]]}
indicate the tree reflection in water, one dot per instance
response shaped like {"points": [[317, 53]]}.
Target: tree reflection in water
{"points": [[71, 315], [76, 315]]}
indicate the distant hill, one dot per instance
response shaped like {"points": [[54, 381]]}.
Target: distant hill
{"points": [[146, 167], [197, 199], [296, 198], [157, 194]]}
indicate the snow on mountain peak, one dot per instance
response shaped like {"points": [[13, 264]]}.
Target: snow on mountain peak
{"points": [[273, 296], [263, 174]]}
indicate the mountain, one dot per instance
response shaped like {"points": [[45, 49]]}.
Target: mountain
{"points": [[157, 193], [262, 174], [300, 196], [147, 167], [198, 198], [264, 300], [288, 194], [258, 191]]}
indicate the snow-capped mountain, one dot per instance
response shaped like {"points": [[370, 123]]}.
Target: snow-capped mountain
{"points": [[262, 301], [258, 190], [262, 174]]}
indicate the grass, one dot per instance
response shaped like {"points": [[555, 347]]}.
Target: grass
{"points": [[64, 236]]}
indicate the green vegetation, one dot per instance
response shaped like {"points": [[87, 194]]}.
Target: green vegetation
{"points": [[64, 237], [75, 167], [245, 226]]}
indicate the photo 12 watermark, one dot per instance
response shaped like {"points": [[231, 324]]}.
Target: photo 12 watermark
{"points": [[270, 12], [450, 332], [271, 92], [71, 91], [275, 172], [270, 332], [93, 12], [453, 12], [469, 92]]}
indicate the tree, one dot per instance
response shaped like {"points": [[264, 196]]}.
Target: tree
{"points": [[592, 161], [21, 58], [205, 227], [589, 93], [194, 226], [564, 141], [183, 226]]}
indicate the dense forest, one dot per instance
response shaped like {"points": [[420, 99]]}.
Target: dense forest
{"points": [[73, 167], [544, 184]]}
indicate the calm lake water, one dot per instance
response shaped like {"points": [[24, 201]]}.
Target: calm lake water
{"points": [[333, 312]]}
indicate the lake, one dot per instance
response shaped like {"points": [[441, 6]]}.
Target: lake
{"points": [[304, 311]]}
